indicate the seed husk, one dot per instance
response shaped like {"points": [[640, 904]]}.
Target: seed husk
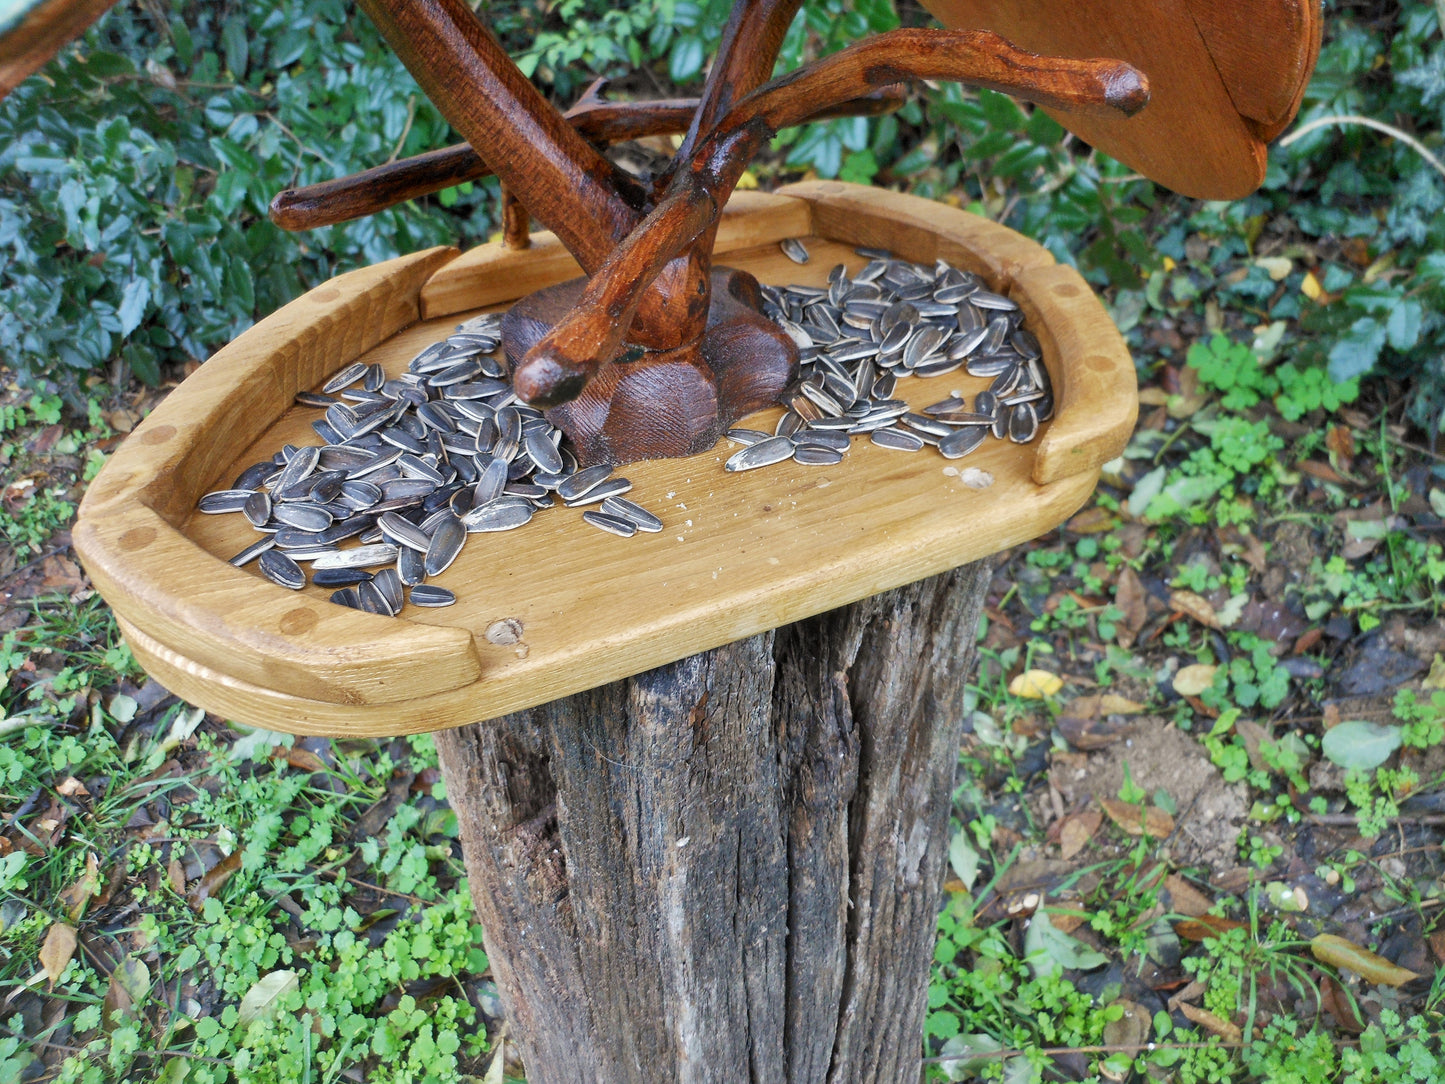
{"points": [[502, 514], [611, 524], [794, 250], [612, 487], [281, 570], [370, 556], [430, 595], [762, 454], [634, 513], [446, 543]]}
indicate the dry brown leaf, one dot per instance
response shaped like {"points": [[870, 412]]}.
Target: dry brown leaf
{"points": [[1206, 1019], [1339, 952], [1204, 927], [1195, 606], [1340, 1005], [1340, 441], [71, 787], [1252, 734], [305, 760], [1093, 520], [1437, 945], [1435, 679], [211, 881], [1128, 1034], [1130, 598], [1323, 471], [1064, 921], [1193, 680], [1076, 831], [1153, 396], [1083, 733], [1186, 899], [57, 950], [78, 896], [176, 874], [1138, 820]]}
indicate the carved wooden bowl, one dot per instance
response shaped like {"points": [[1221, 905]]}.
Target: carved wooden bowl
{"points": [[739, 553]]}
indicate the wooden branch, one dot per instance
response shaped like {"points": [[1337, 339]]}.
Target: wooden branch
{"points": [[561, 364], [745, 58], [557, 174], [369, 191], [32, 38]]}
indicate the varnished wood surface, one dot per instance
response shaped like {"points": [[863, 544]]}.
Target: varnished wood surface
{"points": [[739, 553], [1224, 77], [33, 31]]}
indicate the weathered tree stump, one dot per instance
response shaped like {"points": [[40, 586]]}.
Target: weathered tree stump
{"points": [[727, 868]]}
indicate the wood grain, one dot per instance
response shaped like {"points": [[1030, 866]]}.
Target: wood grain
{"points": [[727, 869], [739, 553], [1191, 137], [1264, 52]]}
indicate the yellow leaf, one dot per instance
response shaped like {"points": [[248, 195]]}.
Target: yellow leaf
{"points": [[1193, 680], [1114, 704], [748, 181], [1169, 264], [77, 897], [1331, 949], [1035, 684], [1435, 679], [1278, 267], [1311, 287], [59, 947], [1195, 606]]}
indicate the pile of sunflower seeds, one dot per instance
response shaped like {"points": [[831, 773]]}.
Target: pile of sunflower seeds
{"points": [[410, 467], [860, 336]]}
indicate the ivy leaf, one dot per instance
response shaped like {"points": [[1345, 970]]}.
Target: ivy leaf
{"points": [[133, 300], [1360, 744], [1402, 329], [1358, 350]]}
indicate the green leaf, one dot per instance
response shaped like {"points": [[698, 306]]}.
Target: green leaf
{"points": [[1360, 744], [1358, 350], [133, 299], [1402, 329], [968, 1055], [964, 859], [1049, 951]]}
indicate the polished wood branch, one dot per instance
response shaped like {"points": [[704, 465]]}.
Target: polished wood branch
{"points": [[655, 351]]}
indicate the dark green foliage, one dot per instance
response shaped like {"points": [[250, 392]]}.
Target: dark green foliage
{"points": [[135, 174]]}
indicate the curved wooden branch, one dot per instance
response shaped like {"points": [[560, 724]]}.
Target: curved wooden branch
{"points": [[561, 364], [369, 191], [556, 173], [745, 58]]}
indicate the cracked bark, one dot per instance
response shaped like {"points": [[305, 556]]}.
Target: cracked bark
{"points": [[727, 869]]}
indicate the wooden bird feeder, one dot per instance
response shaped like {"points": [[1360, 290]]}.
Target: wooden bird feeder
{"points": [[705, 819]]}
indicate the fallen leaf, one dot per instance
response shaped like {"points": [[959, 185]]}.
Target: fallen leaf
{"points": [[176, 874], [1339, 952], [1076, 831], [1360, 744], [1095, 519], [71, 787], [1437, 945], [1340, 441], [1113, 704], [964, 859], [1312, 289], [1253, 735], [1127, 1034], [305, 760], [1152, 396], [212, 880], [1194, 679], [1035, 685], [57, 950], [129, 984], [1049, 951], [1277, 267], [1435, 679], [1132, 602], [1195, 606], [1336, 1001], [78, 896], [1138, 820], [1185, 898], [1206, 1019], [262, 1001], [1090, 734], [1323, 471]]}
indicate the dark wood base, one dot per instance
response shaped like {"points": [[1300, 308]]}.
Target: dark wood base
{"points": [[727, 869], [658, 404]]}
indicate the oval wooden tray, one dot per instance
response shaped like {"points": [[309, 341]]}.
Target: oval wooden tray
{"points": [[739, 553]]}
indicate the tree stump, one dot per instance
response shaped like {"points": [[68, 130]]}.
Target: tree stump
{"points": [[727, 868]]}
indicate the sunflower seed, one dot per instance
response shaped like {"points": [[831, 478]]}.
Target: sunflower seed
{"points": [[890, 437], [224, 500], [446, 543], [344, 377], [746, 436], [640, 517], [378, 553], [544, 453], [612, 487], [338, 577], [403, 531], [794, 250], [816, 455], [347, 597], [502, 514], [584, 480], [370, 599], [762, 454], [281, 570], [426, 594], [254, 550], [611, 524], [388, 585], [959, 444]]}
